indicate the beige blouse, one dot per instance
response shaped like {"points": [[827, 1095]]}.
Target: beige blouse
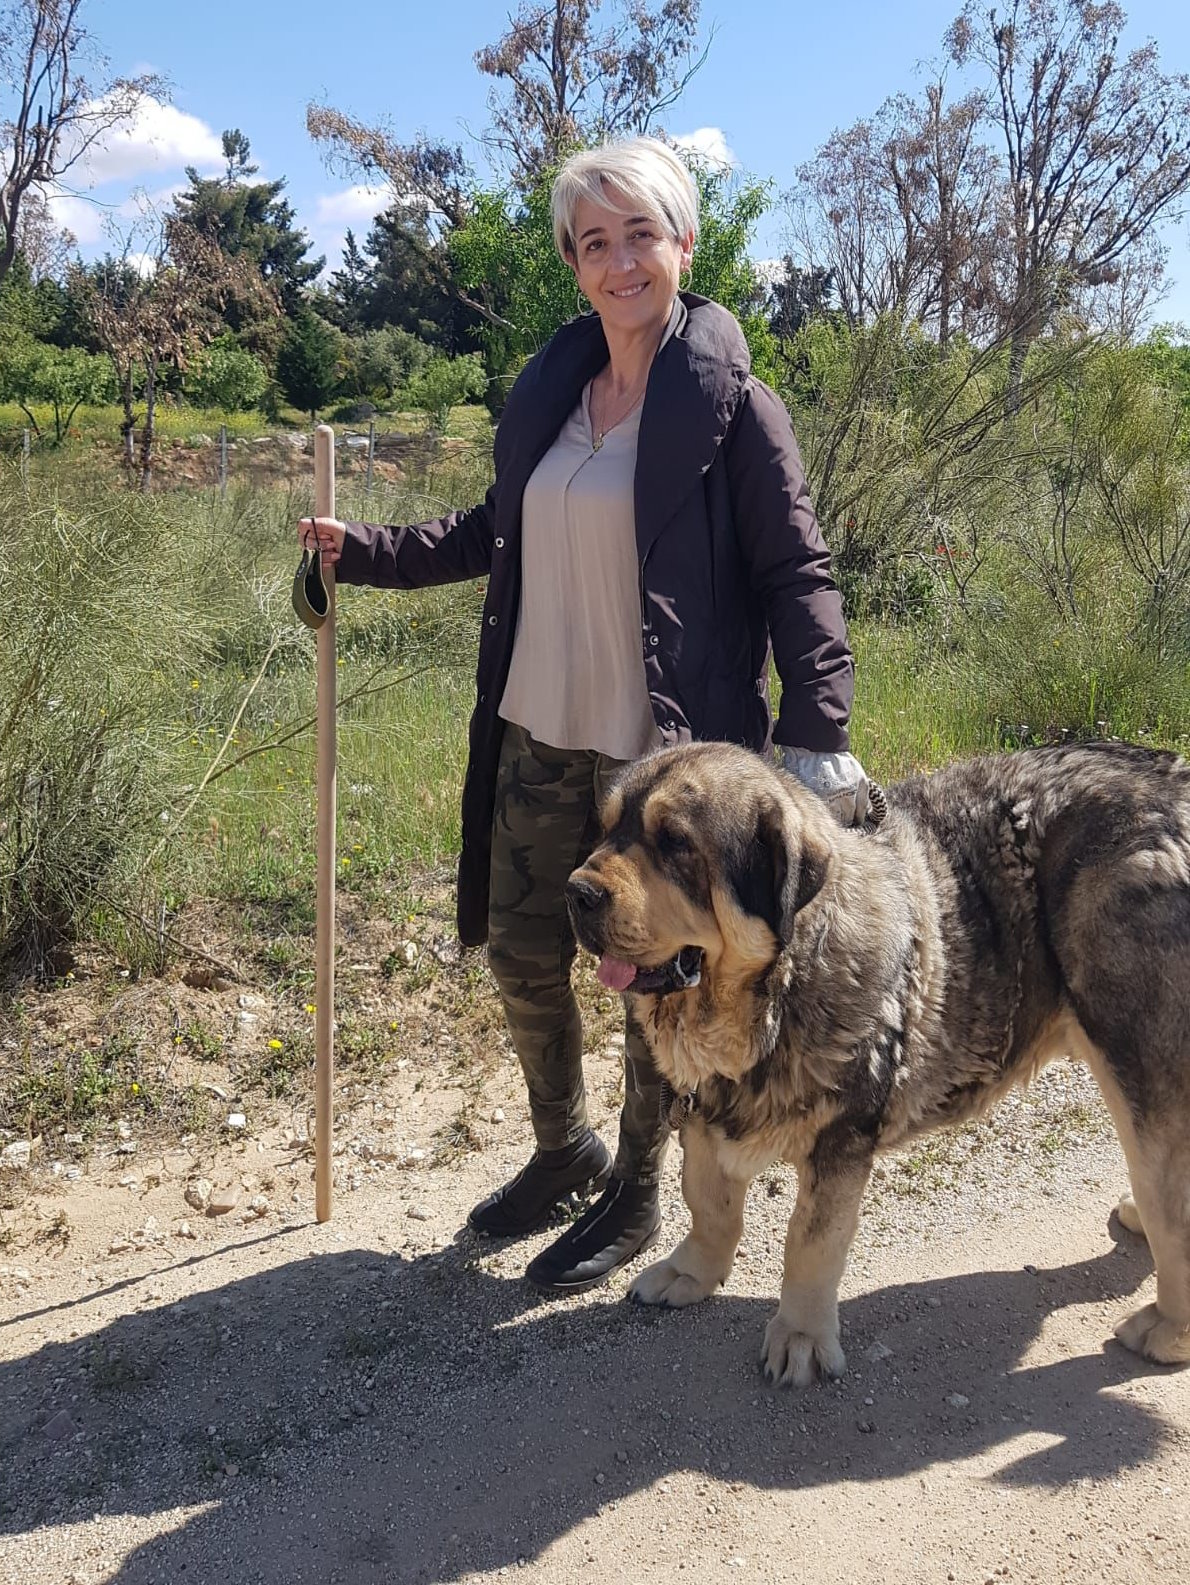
{"points": [[577, 678]]}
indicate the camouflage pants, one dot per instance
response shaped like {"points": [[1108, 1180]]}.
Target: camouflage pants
{"points": [[545, 825]]}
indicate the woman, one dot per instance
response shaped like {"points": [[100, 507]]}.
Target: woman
{"points": [[648, 541]]}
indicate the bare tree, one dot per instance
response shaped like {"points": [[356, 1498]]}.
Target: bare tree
{"points": [[1097, 147], [433, 178], [898, 208], [566, 80], [155, 306], [44, 245], [52, 115]]}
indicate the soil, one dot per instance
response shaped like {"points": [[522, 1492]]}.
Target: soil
{"points": [[249, 1396]]}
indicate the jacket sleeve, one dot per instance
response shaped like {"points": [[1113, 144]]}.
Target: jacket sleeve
{"points": [[789, 568], [445, 550]]}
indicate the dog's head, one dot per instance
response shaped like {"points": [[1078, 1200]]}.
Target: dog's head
{"points": [[708, 856]]}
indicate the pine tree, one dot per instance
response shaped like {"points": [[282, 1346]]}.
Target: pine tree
{"points": [[307, 362]]}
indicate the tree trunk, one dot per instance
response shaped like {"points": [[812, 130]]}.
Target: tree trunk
{"points": [[128, 423], [146, 447]]}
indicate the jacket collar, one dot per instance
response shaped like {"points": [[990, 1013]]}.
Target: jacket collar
{"points": [[693, 390]]}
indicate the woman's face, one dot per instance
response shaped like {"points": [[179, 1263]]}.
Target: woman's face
{"points": [[627, 264]]}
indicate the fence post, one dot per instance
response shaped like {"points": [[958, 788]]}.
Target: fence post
{"points": [[223, 460], [371, 450]]}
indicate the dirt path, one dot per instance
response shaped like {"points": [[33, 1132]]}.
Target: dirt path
{"points": [[382, 1399]]}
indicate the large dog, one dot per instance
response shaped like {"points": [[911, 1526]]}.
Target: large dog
{"points": [[816, 995]]}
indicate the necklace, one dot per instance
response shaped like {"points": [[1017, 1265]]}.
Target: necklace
{"points": [[598, 436]]}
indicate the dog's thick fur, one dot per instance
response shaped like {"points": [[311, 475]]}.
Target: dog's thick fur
{"points": [[858, 989]]}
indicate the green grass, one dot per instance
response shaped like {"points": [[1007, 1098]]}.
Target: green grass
{"points": [[159, 620]]}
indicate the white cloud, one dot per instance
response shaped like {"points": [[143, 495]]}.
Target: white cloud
{"points": [[158, 139], [352, 207], [711, 145]]}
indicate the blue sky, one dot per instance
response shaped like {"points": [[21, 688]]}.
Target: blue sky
{"points": [[779, 78]]}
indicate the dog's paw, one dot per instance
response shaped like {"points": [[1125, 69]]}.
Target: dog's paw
{"points": [[1129, 1215], [1146, 1331], [792, 1358], [664, 1283]]}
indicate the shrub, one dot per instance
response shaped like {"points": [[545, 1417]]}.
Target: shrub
{"points": [[445, 383], [224, 375]]}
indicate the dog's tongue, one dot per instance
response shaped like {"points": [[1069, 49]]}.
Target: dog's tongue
{"points": [[615, 973]]}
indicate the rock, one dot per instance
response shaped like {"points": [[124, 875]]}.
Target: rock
{"points": [[184, 1230], [418, 1213], [120, 1246], [236, 1121], [223, 1201], [410, 953], [198, 1193], [246, 999], [958, 1400], [416, 1154], [498, 1115], [59, 1426], [127, 1147], [246, 1018], [877, 1352]]}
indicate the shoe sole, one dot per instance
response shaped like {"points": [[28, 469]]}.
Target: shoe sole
{"points": [[586, 1188], [594, 1282]]}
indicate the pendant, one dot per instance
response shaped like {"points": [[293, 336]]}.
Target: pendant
{"points": [[596, 443]]}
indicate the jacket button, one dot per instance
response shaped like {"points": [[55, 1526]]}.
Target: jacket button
{"points": [[499, 544], [669, 726], [654, 640], [483, 698], [492, 620]]}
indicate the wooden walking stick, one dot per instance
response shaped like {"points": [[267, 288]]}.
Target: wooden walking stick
{"points": [[324, 929]]}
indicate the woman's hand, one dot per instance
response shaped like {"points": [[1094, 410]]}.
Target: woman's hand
{"points": [[329, 534]]}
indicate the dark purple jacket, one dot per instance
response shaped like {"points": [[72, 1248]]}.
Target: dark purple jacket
{"points": [[730, 554]]}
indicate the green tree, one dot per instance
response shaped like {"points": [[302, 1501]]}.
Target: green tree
{"points": [[61, 378], [381, 362], [307, 364], [224, 375], [445, 383], [252, 223]]}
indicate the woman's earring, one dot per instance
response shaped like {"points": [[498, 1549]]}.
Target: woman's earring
{"points": [[584, 302]]}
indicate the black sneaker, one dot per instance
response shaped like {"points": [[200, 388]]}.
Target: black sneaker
{"points": [[623, 1223], [525, 1203]]}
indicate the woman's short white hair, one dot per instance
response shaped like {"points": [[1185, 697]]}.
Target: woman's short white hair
{"points": [[636, 175]]}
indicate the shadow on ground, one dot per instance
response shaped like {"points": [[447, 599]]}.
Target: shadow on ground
{"points": [[362, 1417]]}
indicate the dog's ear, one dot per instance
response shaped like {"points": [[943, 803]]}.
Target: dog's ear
{"points": [[777, 871]]}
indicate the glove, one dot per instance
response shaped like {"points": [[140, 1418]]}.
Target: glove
{"points": [[838, 779]]}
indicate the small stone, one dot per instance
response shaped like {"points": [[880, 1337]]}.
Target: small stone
{"points": [[223, 1201], [120, 1246], [958, 1400], [418, 1213], [737, 1562], [231, 1471], [877, 1352], [600, 1477], [498, 1115], [416, 1154], [410, 953], [59, 1426], [127, 1147], [237, 1121], [246, 1018], [184, 1230], [198, 1193], [865, 1426]]}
